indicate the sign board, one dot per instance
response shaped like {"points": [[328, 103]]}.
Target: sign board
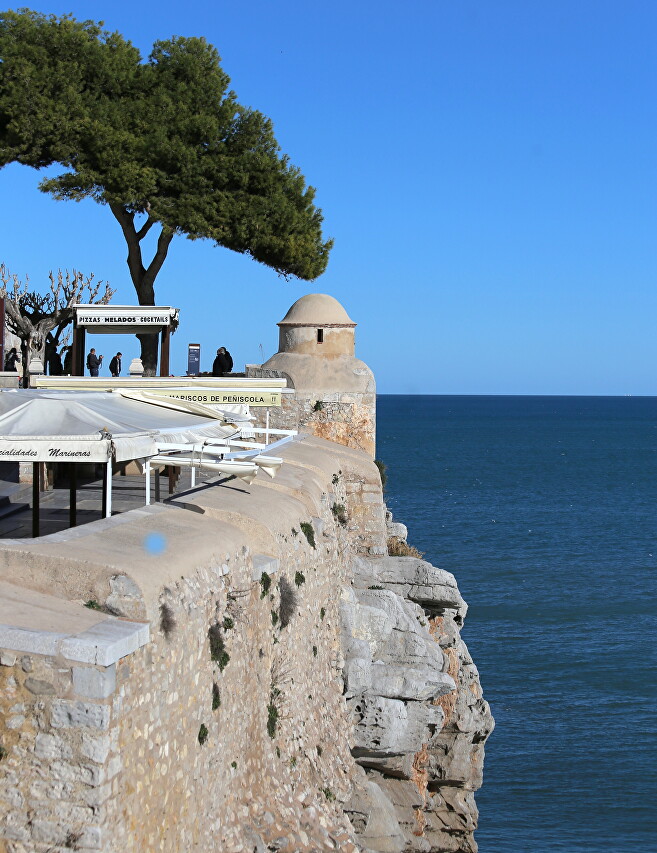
{"points": [[193, 359], [54, 451], [222, 396], [126, 318]]}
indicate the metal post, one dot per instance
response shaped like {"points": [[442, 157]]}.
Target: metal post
{"points": [[147, 472], [108, 502], [77, 352], [164, 351], [72, 494], [193, 476], [267, 426], [103, 506], [36, 478], [157, 485]]}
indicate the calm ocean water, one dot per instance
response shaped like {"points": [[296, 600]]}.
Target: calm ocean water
{"points": [[545, 509]]}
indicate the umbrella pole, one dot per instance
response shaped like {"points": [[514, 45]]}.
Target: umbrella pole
{"points": [[103, 508], [147, 473], [36, 476], [73, 494], [157, 485], [108, 501]]}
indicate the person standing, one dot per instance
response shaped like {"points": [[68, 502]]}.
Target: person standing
{"points": [[115, 364], [220, 364], [55, 366], [94, 362], [229, 360], [10, 360], [67, 352]]}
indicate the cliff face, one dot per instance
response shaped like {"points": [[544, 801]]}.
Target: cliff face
{"points": [[270, 681], [420, 719]]}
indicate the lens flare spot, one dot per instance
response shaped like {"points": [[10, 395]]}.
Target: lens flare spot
{"points": [[155, 544]]}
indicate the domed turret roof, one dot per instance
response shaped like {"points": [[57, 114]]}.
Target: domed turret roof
{"points": [[317, 309]]}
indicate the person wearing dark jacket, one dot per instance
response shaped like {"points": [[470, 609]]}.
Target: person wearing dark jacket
{"points": [[115, 365], [94, 362], [55, 366], [10, 360], [229, 360], [220, 364]]}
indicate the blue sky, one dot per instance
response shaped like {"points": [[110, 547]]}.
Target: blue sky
{"points": [[487, 171]]}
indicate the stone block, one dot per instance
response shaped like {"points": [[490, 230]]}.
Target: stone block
{"points": [[264, 563], [106, 642], [39, 687], [51, 746], [96, 747], [68, 714], [94, 683], [7, 659]]}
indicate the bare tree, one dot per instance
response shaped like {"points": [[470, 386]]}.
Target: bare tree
{"points": [[39, 320]]}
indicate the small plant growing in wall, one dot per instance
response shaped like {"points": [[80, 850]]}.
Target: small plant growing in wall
{"points": [[308, 532], [314, 651], [288, 604], [71, 840], [340, 513], [398, 548], [3, 753], [167, 620], [274, 618], [218, 651], [322, 613], [265, 583], [335, 479], [299, 578], [203, 734], [228, 623], [92, 604], [216, 696], [375, 586], [328, 793], [272, 713], [318, 406]]}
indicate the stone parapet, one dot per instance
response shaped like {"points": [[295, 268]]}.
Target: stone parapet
{"points": [[208, 699]]}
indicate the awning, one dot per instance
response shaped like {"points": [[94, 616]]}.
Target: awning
{"points": [[79, 426]]}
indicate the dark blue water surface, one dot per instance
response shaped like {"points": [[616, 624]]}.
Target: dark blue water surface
{"points": [[545, 510]]}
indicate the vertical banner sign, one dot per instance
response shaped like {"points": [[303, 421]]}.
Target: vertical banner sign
{"points": [[193, 359]]}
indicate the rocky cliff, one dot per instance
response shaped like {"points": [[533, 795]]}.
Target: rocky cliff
{"points": [[268, 680], [420, 721]]}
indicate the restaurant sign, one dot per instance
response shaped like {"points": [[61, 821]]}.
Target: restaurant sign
{"points": [[119, 317], [26, 450], [222, 396]]}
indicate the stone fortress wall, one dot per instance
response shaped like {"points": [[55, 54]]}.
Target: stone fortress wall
{"points": [[257, 674], [270, 681]]}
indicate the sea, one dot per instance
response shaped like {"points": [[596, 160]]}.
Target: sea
{"points": [[545, 509]]}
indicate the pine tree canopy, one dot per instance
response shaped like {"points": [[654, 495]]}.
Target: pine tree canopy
{"points": [[165, 137]]}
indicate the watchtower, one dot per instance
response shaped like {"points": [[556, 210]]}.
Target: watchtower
{"points": [[334, 392]]}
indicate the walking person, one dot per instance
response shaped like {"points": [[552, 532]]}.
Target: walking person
{"points": [[94, 362], [115, 364]]}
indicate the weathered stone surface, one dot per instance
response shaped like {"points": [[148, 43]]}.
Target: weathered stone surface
{"points": [[373, 817], [420, 721], [161, 742]]}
